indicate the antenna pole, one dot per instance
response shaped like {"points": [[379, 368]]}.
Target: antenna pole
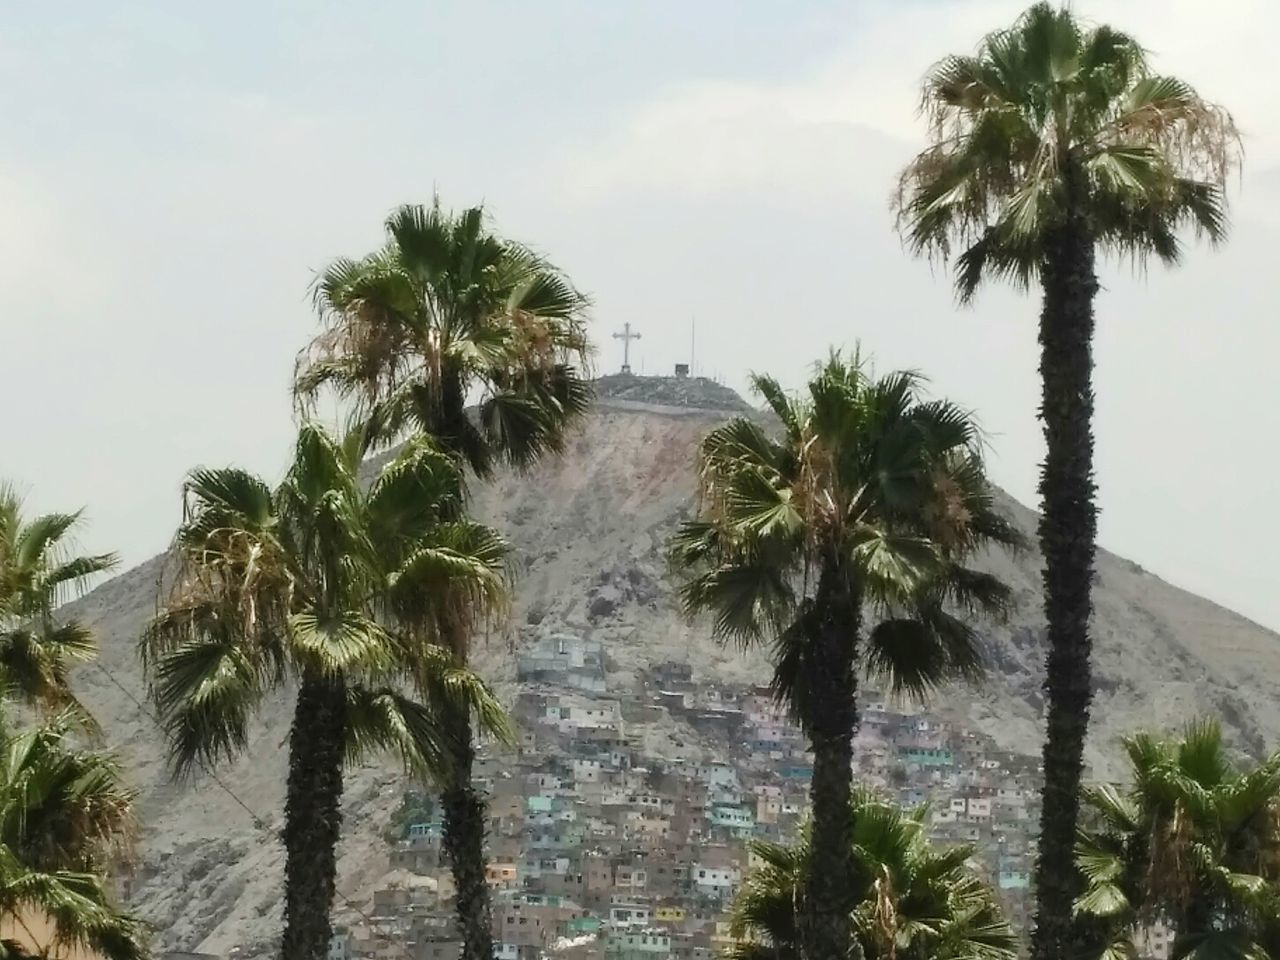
{"points": [[693, 346]]}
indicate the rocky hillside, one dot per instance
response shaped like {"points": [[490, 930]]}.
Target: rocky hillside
{"points": [[590, 531]]}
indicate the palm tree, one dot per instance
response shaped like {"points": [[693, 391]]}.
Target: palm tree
{"points": [[65, 814], [444, 315], [65, 821], [871, 498], [910, 901], [1193, 842], [38, 571], [312, 584], [1054, 141]]}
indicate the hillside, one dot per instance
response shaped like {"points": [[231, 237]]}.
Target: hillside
{"points": [[590, 532]]}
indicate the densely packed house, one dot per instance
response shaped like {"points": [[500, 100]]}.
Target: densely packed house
{"points": [[620, 826]]}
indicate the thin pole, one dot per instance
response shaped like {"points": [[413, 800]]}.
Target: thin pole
{"points": [[693, 346]]}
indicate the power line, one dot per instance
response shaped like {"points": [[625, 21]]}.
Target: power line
{"points": [[259, 823]]}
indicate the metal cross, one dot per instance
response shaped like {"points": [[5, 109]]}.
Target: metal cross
{"points": [[626, 336]]}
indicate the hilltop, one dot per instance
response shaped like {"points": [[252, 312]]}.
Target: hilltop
{"points": [[590, 531], [679, 392]]}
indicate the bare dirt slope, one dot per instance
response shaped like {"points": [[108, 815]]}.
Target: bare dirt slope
{"points": [[590, 532]]}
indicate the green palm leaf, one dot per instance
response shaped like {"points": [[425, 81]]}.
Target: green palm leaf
{"points": [[65, 817], [936, 907], [39, 571], [1193, 838], [346, 642]]}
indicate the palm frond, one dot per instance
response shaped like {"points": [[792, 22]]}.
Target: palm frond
{"points": [[794, 667], [741, 444], [1193, 838], [911, 898], [385, 720], [75, 572], [206, 692], [523, 424], [1117, 811], [446, 570], [758, 508], [65, 817], [231, 495], [413, 494], [62, 808], [76, 905], [349, 642], [456, 689], [782, 406], [746, 599], [1102, 900], [39, 539], [35, 664], [915, 656]]}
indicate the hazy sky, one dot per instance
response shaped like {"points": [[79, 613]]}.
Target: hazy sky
{"points": [[171, 176]]}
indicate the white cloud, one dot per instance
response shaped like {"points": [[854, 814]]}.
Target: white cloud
{"points": [[720, 139], [852, 118]]}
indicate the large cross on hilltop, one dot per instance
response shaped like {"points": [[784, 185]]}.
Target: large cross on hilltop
{"points": [[626, 336]]}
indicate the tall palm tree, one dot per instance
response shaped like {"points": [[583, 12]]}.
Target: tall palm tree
{"points": [[445, 315], [1193, 842], [38, 571], [309, 585], [910, 901], [1055, 141], [872, 497], [65, 821]]}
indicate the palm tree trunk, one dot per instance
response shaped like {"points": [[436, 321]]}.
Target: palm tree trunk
{"points": [[463, 840], [832, 683], [464, 809], [1067, 529], [313, 817]]}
